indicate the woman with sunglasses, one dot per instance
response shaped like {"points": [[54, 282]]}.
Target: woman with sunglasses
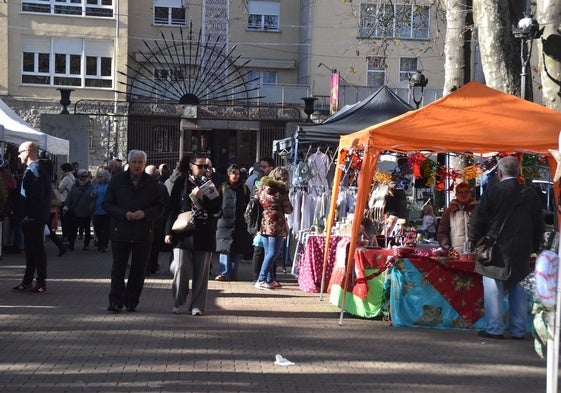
{"points": [[192, 251]]}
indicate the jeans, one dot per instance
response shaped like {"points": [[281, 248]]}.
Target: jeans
{"points": [[229, 265], [494, 307], [272, 246]]}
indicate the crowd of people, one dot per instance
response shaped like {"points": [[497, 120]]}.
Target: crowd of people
{"points": [[134, 209]]}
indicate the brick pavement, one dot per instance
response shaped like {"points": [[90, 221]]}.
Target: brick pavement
{"points": [[65, 341]]}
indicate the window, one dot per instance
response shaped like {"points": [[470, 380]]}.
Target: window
{"points": [[258, 77], [376, 71], [170, 13], [263, 15], [406, 21], [103, 8], [407, 67], [67, 62]]}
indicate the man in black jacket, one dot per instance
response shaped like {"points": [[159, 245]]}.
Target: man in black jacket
{"points": [[517, 209], [134, 201], [35, 195]]}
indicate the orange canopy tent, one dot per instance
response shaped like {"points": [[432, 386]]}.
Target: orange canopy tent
{"points": [[474, 119]]}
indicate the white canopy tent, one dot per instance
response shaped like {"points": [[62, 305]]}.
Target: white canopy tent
{"points": [[14, 130]]}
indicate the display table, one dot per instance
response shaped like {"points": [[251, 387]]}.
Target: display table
{"points": [[310, 261], [365, 293], [436, 292], [433, 292]]}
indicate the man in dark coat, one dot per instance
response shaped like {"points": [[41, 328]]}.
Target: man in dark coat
{"points": [[517, 209], [35, 196], [134, 201]]}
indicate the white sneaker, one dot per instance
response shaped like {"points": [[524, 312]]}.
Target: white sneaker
{"points": [[196, 311], [176, 310], [264, 285]]}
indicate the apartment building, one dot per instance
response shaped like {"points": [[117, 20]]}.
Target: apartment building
{"points": [[223, 76]]}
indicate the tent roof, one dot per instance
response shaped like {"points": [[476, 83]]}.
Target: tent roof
{"points": [[14, 130], [474, 118], [380, 106]]}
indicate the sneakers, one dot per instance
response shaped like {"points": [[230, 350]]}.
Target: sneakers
{"points": [[38, 289], [264, 285], [196, 311], [221, 277], [21, 288], [276, 284], [176, 310]]}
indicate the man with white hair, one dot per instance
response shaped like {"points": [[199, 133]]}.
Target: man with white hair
{"points": [[134, 201]]}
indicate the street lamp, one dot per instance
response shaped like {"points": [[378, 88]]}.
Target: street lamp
{"points": [[309, 106], [527, 31], [417, 82]]}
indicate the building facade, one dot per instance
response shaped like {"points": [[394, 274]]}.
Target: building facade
{"points": [[222, 76]]}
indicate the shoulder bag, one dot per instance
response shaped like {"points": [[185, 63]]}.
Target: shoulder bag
{"points": [[484, 248]]}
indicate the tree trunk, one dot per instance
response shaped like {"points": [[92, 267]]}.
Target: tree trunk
{"points": [[549, 49], [455, 62], [501, 66]]}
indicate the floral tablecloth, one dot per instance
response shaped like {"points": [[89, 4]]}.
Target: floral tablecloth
{"points": [[310, 262]]}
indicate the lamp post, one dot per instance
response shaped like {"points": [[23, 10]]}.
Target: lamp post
{"points": [[417, 82], [309, 106], [527, 31], [65, 100]]}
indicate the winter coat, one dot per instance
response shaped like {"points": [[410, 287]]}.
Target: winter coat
{"points": [[273, 196], [203, 238], [231, 229], [99, 189], [80, 199], [35, 192], [453, 228], [122, 196], [522, 233], [66, 185]]}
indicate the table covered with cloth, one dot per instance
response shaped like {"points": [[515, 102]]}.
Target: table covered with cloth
{"points": [[365, 292], [437, 292], [310, 261]]}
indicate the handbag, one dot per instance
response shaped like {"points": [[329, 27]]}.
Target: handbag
{"points": [[184, 222], [484, 247]]}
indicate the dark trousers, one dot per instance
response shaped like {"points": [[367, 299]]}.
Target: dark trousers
{"points": [[128, 295], [153, 265], [76, 223], [102, 226], [257, 261], [35, 255], [52, 234]]}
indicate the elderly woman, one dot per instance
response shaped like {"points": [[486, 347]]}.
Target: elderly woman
{"points": [[101, 220], [454, 223], [273, 196]]}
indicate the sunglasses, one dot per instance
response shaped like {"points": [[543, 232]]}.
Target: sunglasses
{"points": [[201, 166]]}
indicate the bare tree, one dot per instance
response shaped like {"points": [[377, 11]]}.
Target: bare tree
{"points": [[499, 58], [456, 45], [549, 16]]}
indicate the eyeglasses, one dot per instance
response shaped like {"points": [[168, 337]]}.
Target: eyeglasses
{"points": [[201, 166]]}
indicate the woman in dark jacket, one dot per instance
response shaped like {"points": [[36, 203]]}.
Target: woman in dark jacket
{"points": [[192, 251], [273, 196], [232, 239]]}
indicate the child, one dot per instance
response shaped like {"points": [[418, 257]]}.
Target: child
{"points": [[428, 227]]}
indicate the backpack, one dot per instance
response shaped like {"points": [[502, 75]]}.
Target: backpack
{"points": [[253, 215]]}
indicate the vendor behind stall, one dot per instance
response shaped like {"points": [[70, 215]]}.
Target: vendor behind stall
{"points": [[454, 223]]}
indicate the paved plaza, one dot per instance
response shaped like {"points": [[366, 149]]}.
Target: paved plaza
{"points": [[65, 341]]}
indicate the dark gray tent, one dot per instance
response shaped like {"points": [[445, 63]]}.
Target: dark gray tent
{"points": [[383, 105]]}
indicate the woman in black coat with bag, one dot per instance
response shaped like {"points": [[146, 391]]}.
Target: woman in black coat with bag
{"points": [[232, 239], [192, 250]]}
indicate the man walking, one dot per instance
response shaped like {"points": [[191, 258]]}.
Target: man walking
{"points": [[36, 204], [517, 210], [134, 201]]}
